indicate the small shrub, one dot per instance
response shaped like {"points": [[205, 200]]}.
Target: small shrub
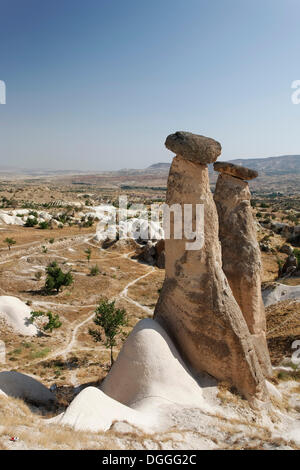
{"points": [[44, 225], [94, 270], [40, 354], [10, 242], [31, 222], [38, 275], [53, 320]]}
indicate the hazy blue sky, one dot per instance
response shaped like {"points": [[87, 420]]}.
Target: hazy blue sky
{"points": [[99, 84]]}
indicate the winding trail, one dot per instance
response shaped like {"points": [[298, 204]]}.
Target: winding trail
{"points": [[71, 340], [124, 293]]}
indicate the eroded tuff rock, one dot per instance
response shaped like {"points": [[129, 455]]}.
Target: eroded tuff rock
{"points": [[152, 253], [193, 147], [196, 305], [289, 267], [235, 170], [241, 258]]}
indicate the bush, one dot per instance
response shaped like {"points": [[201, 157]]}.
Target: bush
{"points": [[40, 354], [56, 278], [44, 225], [9, 242], [38, 275], [94, 270], [31, 222], [53, 320]]}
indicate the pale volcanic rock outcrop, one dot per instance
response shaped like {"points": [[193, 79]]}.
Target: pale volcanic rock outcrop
{"points": [[17, 385], [148, 375], [277, 292], [241, 254], [150, 367], [2, 352], [196, 306], [17, 315]]}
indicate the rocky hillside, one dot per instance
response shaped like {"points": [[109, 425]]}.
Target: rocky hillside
{"points": [[270, 166], [282, 165]]}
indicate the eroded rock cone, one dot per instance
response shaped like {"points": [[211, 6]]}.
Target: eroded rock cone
{"points": [[289, 267], [196, 305], [241, 256]]}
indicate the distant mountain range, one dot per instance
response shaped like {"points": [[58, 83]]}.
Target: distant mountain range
{"points": [[270, 166], [159, 166]]}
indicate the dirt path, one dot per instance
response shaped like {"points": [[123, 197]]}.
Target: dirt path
{"points": [[71, 340], [10, 255], [124, 293]]}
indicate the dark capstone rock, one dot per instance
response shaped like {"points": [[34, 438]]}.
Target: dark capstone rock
{"points": [[235, 170], [194, 147]]}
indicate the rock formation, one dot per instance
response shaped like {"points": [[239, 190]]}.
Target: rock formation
{"points": [[277, 292], [148, 376], [2, 352], [17, 385], [153, 253], [240, 251], [196, 306], [17, 314], [235, 170], [290, 266], [149, 367]]}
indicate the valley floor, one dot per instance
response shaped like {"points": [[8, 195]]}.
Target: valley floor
{"points": [[70, 359]]}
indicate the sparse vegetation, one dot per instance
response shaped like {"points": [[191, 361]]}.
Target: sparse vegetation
{"points": [[94, 270], [53, 321], [44, 225], [31, 222], [88, 253], [38, 275], [56, 278], [111, 320], [10, 242]]}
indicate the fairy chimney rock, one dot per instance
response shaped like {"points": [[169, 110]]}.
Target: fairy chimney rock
{"points": [[196, 306], [241, 258]]}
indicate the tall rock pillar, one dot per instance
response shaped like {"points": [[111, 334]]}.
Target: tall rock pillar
{"points": [[240, 251], [196, 305]]}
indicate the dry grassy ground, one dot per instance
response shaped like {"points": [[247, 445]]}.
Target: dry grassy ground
{"points": [[69, 355], [70, 358]]}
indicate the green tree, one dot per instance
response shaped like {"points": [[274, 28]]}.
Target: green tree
{"points": [[53, 320], [56, 278], [111, 320], [10, 242], [88, 253]]}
